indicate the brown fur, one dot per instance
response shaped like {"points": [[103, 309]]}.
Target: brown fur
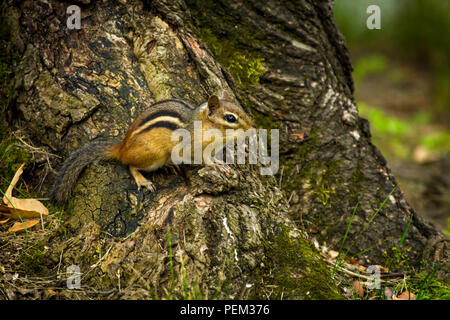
{"points": [[141, 151]]}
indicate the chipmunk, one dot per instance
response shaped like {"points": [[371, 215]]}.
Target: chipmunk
{"points": [[147, 144]]}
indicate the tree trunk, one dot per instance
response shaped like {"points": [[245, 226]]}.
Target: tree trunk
{"points": [[206, 233]]}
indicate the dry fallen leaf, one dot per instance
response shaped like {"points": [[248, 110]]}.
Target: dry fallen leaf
{"points": [[358, 288], [18, 226], [333, 254], [13, 183], [406, 295], [298, 135], [26, 208], [50, 291], [382, 268], [4, 221], [21, 208]]}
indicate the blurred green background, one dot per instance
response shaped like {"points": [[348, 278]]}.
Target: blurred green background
{"points": [[402, 79]]}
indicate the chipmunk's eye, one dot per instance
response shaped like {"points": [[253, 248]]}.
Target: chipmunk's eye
{"points": [[230, 118]]}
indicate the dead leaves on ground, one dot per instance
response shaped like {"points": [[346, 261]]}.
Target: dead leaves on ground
{"points": [[360, 289], [406, 295], [362, 280], [18, 226], [29, 211]]}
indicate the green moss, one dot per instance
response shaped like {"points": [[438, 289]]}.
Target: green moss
{"points": [[232, 49], [263, 121], [357, 179], [398, 259], [428, 287], [11, 157], [32, 261], [317, 175], [316, 180], [293, 270]]}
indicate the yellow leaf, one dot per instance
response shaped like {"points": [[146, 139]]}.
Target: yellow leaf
{"points": [[21, 208], [13, 183], [333, 254], [359, 289], [18, 226], [4, 221], [406, 295]]}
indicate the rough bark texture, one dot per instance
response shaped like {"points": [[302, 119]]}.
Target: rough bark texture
{"points": [[207, 234]]}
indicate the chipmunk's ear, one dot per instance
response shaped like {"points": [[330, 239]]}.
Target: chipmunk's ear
{"points": [[213, 104]]}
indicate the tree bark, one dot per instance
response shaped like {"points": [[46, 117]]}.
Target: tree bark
{"points": [[205, 233]]}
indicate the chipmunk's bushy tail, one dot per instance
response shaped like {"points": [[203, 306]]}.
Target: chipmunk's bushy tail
{"points": [[74, 165]]}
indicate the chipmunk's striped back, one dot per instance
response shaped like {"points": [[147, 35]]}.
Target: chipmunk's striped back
{"points": [[147, 144], [169, 113], [160, 119]]}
